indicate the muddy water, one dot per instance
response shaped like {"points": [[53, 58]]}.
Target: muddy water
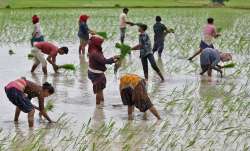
{"points": [[198, 113]]}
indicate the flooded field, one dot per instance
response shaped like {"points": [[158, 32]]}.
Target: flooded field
{"points": [[198, 113]]}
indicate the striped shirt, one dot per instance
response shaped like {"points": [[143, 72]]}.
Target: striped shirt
{"points": [[19, 84]]}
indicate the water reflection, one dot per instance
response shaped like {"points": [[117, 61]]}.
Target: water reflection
{"points": [[98, 118]]}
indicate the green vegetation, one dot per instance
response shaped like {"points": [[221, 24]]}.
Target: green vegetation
{"points": [[103, 34], [30, 56], [196, 115], [68, 67], [116, 3], [49, 106], [124, 51], [230, 65], [11, 52]]}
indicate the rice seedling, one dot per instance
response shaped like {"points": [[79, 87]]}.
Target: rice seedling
{"points": [[30, 56], [103, 34], [11, 52], [69, 67], [124, 51], [49, 106], [197, 116], [230, 65]]}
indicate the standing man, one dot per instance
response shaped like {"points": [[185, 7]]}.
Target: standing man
{"points": [[41, 48], [146, 53], [123, 24], [160, 31]]}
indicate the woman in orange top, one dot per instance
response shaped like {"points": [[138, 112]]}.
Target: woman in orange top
{"points": [[133, 93]]}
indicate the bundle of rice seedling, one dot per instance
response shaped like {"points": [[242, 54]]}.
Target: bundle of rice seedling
{"points": [[124, 51], [171, 30], [103, 34], [230, 65], [49, 106], [11, 52], [68, 67], [30, 56], [219, 30]]}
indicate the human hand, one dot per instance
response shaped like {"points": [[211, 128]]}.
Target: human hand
{"points": [[55, 67]]}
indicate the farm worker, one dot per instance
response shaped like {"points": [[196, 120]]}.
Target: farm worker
{"points": [[97, 67], [123, 24], [37, 33], [210, 58], [41, 48], [146, 53], [133, 93], [160, 31], [83, 33], [21, 91], [209, 33]]}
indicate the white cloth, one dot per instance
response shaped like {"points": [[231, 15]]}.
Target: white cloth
{"points": [[38, 56], [37, 30], [123, 19], [95, 71]]}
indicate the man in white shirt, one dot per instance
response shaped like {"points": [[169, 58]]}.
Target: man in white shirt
{"points": [[123, 23]]}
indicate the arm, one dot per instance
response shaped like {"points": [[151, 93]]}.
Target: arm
{"points": [[136, 47], [215, 33], [42, 109], [216, 67], [52, 60], [130, 23], [219, 66], [102, 60], [195, 54]]}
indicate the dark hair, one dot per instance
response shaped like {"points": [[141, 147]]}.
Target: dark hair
{"points": [[144, 27], [158, 18], [49, 87], [125, 9], [210, 20], [65, 49]]}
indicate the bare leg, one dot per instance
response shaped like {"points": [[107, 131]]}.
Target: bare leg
{"points": [[217, 69], [130, 112], [31, 118], [197, 53], [155, 112], [209, 72], [45, 70], [17, 113], [34, 67], [99, 97], [80, 49]]}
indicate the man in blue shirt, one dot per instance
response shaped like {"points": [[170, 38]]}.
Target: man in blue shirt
{"points": [[146, 53], [160, 31]]}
